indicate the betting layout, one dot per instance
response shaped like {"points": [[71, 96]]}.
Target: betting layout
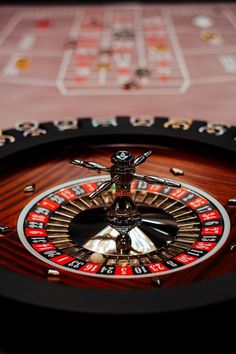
{"points": [[118, 50]]}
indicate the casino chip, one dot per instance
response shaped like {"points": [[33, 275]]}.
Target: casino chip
{"points": [[212, 37], [203, 22], [124, 35], [106, 51], [44, 24], [142, 72], [103, 66], [23, 63], [161, 47], [130, 85]]}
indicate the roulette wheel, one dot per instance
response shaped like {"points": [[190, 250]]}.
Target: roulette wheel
{"points": [[141, 222]]}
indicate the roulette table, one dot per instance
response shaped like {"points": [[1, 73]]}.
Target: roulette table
{"points": [[118, 194]]}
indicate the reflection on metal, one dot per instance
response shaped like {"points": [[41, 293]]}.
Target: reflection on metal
{"points": [[178, 123], [66, 124], [233, 247], [156, 281], [53, 275], [4, 138], [176, 171], [30, 128], [216, 128], [232, 201], [104, 122], [105, 242], [30, 188], [22, 126], [4, 229], [36, 132], [143, 121]]}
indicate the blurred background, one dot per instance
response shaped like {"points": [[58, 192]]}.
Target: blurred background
{"points": [[105, 59]]}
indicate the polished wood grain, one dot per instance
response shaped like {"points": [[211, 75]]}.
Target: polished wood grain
{"points": [[203, 168]]}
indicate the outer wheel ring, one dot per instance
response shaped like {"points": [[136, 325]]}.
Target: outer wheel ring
{"points": [[60, 297]]}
